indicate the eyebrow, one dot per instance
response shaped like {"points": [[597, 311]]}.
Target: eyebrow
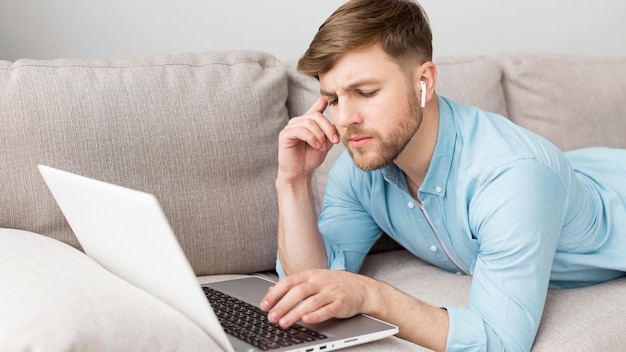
{"points": [[350, 87]]}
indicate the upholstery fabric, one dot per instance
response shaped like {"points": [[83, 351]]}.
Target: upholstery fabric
{"points": [[472, 80], [55, 298], [197, 130], [572, 101]]}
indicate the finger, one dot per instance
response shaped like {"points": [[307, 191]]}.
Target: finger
{"points": [[331, 133], [316, 131], [291, 298], [269, 300], [329, 129], [285, 298], [276, 292], [321, 314], [292, 136], [319, 106], [313, 308], [300, 300]]}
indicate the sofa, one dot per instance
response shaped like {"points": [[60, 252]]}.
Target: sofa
{"points": [[199, 131]]}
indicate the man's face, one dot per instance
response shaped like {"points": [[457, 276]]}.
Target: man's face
{"points": [[373, 104]]}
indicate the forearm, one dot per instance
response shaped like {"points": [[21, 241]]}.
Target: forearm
{"points": [[300, 245], [418, 322]]}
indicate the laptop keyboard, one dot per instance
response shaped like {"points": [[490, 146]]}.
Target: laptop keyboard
{"points": [[250, 324]]}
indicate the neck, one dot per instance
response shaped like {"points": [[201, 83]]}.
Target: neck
{"points": [[416, 156]]}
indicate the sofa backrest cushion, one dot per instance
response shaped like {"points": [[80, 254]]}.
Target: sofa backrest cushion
{"points": [[199, 131], [572, 101], [472, 80]]}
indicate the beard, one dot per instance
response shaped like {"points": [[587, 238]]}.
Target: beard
{"points": [[390, 146]]}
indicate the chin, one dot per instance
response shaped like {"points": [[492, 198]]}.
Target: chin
{"points": [[368, 164]]}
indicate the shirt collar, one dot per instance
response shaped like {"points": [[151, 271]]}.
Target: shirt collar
{"points": [[439, 170]]}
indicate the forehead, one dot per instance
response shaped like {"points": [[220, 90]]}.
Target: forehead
{"points": [[362, 66]]}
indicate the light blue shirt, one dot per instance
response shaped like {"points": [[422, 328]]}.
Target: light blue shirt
{"points": [[499, 203]]}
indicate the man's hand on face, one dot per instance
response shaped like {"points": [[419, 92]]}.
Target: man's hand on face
{"points": [[304, 142], [317, 295]]}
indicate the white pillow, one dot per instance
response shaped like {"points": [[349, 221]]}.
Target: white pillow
{"points": [[55, 298]]}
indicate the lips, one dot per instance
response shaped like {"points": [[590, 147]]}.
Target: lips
{"points": [[359, 142]]}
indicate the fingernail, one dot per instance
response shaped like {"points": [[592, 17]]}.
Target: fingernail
{"points": [[265, 305], [272, 317], [284, 322]]}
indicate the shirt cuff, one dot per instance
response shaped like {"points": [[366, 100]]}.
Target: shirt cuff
{"points": [[466, 332], [279, 268], [336, 258]]}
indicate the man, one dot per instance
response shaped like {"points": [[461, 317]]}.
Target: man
{"points": [[504, 205]]}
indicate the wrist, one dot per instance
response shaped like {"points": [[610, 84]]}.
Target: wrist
{"points": [[284, 184], [375, 298]]}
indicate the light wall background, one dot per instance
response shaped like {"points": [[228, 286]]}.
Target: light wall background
{"points": [[44, 29]]}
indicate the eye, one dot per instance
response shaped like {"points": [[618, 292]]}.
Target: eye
{"points": [[333, 101], [368, 94]]}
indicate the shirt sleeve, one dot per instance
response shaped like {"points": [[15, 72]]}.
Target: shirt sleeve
{"points": [[516, 214]]}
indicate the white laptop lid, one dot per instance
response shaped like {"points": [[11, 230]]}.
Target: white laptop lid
{"points": [[138, 221]]}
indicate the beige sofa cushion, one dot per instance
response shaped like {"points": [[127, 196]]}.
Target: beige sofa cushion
{"points": [[197, 130], [55, 298], [472, 80], [572, 101]]}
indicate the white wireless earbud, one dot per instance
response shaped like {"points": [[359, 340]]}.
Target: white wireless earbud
{"points": [[423, 100]]}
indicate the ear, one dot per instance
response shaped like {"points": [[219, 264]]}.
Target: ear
{"points": [[424, 78]]}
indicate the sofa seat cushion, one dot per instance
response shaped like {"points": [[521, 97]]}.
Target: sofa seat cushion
{"points": [[581, 319], [55, 298], [573, 101], [199, 131]]}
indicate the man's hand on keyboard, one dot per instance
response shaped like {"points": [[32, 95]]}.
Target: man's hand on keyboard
{"points": [[317, 295]]}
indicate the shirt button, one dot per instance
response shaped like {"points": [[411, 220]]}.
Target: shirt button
{"points": [[411, 205], [459, 273], [438, 189], [433, 248]]}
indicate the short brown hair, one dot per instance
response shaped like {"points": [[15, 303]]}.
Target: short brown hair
{"points": [[400, 26]]}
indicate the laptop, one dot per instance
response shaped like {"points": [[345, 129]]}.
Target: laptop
{"points": [[126, 232]]}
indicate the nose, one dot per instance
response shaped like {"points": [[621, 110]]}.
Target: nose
{"points": [[346, 113]]}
